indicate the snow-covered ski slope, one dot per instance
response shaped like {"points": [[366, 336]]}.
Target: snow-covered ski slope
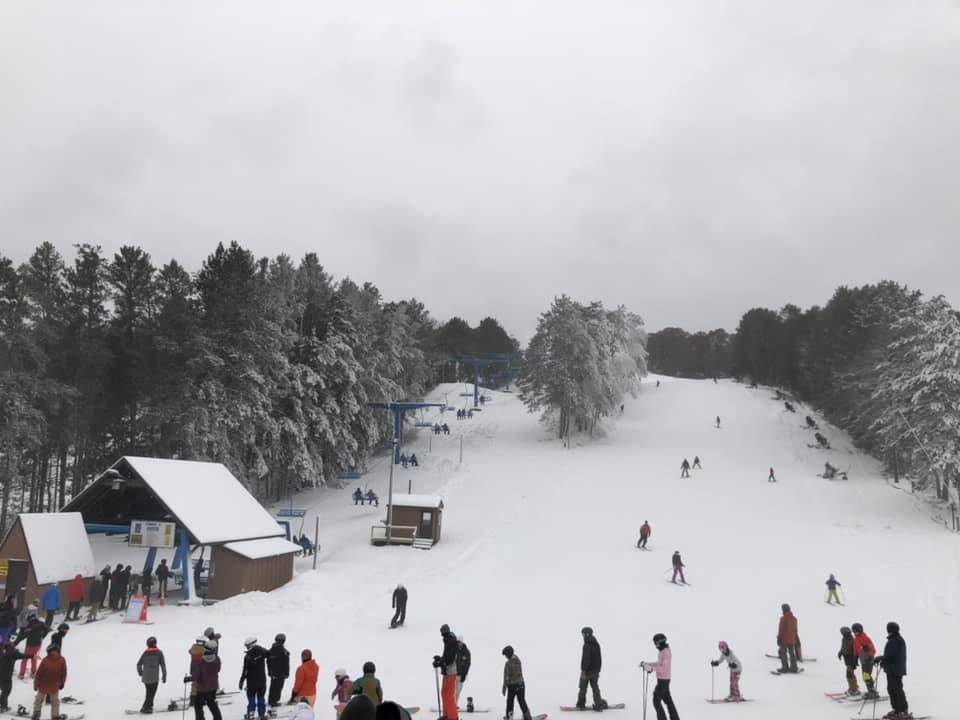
{"points": [[539, 541]]}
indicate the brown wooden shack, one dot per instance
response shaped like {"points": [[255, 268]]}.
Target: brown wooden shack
{"points": [[41, 549], [417, 521], [248, 548]]}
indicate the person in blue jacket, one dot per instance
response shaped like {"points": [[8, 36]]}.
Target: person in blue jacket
{"points": [[894, 664], [51, 602]]}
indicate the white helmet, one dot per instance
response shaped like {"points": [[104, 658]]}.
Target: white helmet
{"points": [[339, 672]]}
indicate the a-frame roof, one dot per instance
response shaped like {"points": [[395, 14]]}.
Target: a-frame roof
{"points": [[58, 546]]}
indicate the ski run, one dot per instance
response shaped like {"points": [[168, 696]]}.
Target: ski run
{"points": [[539, 543]]}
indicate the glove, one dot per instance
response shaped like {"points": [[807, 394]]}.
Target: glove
{"points": [[840, 655], [437, 661], [241, 684], [187, 679], [503, 691], [714, 662]]}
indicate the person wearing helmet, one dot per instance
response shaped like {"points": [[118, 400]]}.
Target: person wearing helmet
{"points": [[255, 676], [865, 651], [848, 655], [513, 685], [733, 662], [56, 640], [212, 636], [447, 664], [196, 657], [278, 668], [787, 640], [152, 669], [368, 684], [206, 678], [344, 688], [894, 664], [661, 693], [400, 603], [305, 680], [591, 661]]}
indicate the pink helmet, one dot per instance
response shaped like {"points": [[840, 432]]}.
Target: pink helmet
{"points": [[723, 646]]}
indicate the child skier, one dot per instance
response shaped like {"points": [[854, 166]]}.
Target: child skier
{"points": [[685, 469], [678, 567], [368, 684], [696, 463], [661, 693], [849, 657], [344, 688], [832, 585], [733, 662], [865, 651]]}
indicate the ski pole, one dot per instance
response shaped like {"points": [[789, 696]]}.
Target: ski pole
{"points": [[646, 685], [436, 676], [713, 672]]}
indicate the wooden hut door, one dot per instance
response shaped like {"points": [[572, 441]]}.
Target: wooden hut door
{"points": [[426, 524], [15, 580]]}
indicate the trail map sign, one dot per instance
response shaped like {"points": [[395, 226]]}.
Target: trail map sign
{"points": [[147, 533]]}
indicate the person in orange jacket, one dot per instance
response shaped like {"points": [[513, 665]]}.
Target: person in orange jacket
{"points": [[865, 651], [48, 682], [787, 640], [305, 681]]}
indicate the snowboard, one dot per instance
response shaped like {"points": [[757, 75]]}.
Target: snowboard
{"points": [[805, 660], [413, 710], [574, 708], [173, 707], [729, 702], [464, 711], [912, 717], [70, 701], [780, 672]]}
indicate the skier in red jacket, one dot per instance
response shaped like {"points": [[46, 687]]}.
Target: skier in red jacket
{"points": [[864, 649], [644, 535]]}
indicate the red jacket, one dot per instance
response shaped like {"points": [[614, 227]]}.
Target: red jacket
{"points": [[787, 632], [862, 641], [644, 530], [75, 592], [51, 675]]}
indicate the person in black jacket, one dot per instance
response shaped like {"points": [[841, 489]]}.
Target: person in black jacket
{"points": [[8, 659], [34, 633], [105, 576], [255, 676], [56, 640], [278, 668], [590, 663], [400, 603], [95, 597], [124, 588], [894, 664], [447, 664], [115, 581], [463, 664], [163, 575]]}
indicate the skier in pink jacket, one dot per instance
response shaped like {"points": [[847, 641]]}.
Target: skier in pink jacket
{"points": [[661, 693]]}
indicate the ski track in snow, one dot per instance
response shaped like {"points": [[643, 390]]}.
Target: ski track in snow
{"points": [[539, 540]]}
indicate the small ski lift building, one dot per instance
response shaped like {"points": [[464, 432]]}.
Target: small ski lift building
{"points": [[248, 548], [417, 521], [41, 549]]}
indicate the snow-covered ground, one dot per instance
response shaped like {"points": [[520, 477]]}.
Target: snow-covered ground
{"points": [[539, 540]]}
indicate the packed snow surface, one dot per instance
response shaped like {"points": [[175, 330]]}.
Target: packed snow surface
{"points": [[58, 546], [207, 499], [539, 540]]}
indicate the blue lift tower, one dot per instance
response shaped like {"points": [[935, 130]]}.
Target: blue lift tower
{"points": [[398, 409]]}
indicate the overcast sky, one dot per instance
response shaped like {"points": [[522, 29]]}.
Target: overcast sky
{"points": [[687, 159]]}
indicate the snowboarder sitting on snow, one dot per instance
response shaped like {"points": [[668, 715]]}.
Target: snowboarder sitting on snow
{"points": [[787, 640], [865, 651], [151, 668], [644, 535], [358, 496], [829, 471], [255, 676], [368, 684], [849, 657], [661, 693], [684, 468], [733, 662], [832, 585], [696, 463], [678, 567], [372, 498], [590, 663], [399, 602], [513, 685], [810, 422]]}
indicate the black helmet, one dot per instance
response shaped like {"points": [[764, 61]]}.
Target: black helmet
{"points": [[586, 630], [151, 641], [844, 630], [893, 627], [63, 627], [369, 667], [280, 638], [659, 640], [507, 652], [857, 628], [785, 607]]}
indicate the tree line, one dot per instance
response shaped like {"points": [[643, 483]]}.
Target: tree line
{"points": [[879, 361], [263, 364]]}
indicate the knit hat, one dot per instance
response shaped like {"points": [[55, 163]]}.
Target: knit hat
{"points": [[307, 655], [360, 707], [892, 628], [444, 629], [586, 630], [507, 652]]}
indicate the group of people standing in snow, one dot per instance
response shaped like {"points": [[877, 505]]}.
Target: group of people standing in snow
{"points": [[856, 647]]}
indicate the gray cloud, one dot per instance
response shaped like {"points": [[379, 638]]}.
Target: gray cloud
{"points": [[688, 159]]}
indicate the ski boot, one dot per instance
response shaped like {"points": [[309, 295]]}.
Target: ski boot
{"points": [[508, 716], [854, 693], [732, 698], [871, 695]]}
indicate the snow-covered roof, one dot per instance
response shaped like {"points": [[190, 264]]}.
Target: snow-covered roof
{"points": [[207, 499], [425, 501], [58, 545], [267, 547]]}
